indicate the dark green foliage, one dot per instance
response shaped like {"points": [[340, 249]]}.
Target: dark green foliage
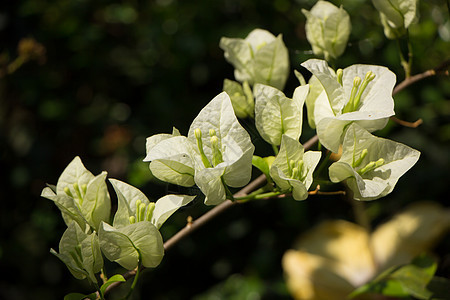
{"points": [[116, 72]]}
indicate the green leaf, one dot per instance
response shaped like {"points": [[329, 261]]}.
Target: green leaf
{"points": [[111, 280], [78, 296], [261, 164], [408, 280], [275, 114], [127, 244]]}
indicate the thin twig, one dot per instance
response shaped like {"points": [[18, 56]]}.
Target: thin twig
{"points": [[441, 69], [211, 214], [192, 226], [317, 191], [410, 80], [406, 123]]}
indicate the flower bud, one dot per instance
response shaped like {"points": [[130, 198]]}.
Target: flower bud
{"points": [[198, 133], [150, 209], [141, 214], [217, 154], [68, 192], [396, 16], [327, 29], [397, 13], [241, 97], [339, 74], [198, 137]]}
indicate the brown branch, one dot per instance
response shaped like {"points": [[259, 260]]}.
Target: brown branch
{"points": [[317, 191], [223, 206], [441, 69], [211, 214], [406, 123]]}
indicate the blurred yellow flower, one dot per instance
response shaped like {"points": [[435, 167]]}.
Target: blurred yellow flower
{"points": [[336, 257]]}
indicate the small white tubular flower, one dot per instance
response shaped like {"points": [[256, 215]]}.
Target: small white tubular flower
{"points": [[369, 165], [259, 58], [134, 206], [359, 93], [327, 29]]}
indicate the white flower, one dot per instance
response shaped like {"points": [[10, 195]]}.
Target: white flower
{"points": [[217, 151], [359, 93], [369, 165], [293, 169]]}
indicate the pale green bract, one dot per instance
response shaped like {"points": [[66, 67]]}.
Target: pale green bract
{"points": [[241, 98], [130, 244], [80, 252], [134, 235], [259, 58], [369, 165], [315, 89], [327, 29], [81, 196], [132, 203], [361, 94], [275, 114], [217, 151], [293, 169], [398, 14]]}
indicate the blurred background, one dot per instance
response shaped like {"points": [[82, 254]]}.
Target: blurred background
{"points": [[95, 78]]}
